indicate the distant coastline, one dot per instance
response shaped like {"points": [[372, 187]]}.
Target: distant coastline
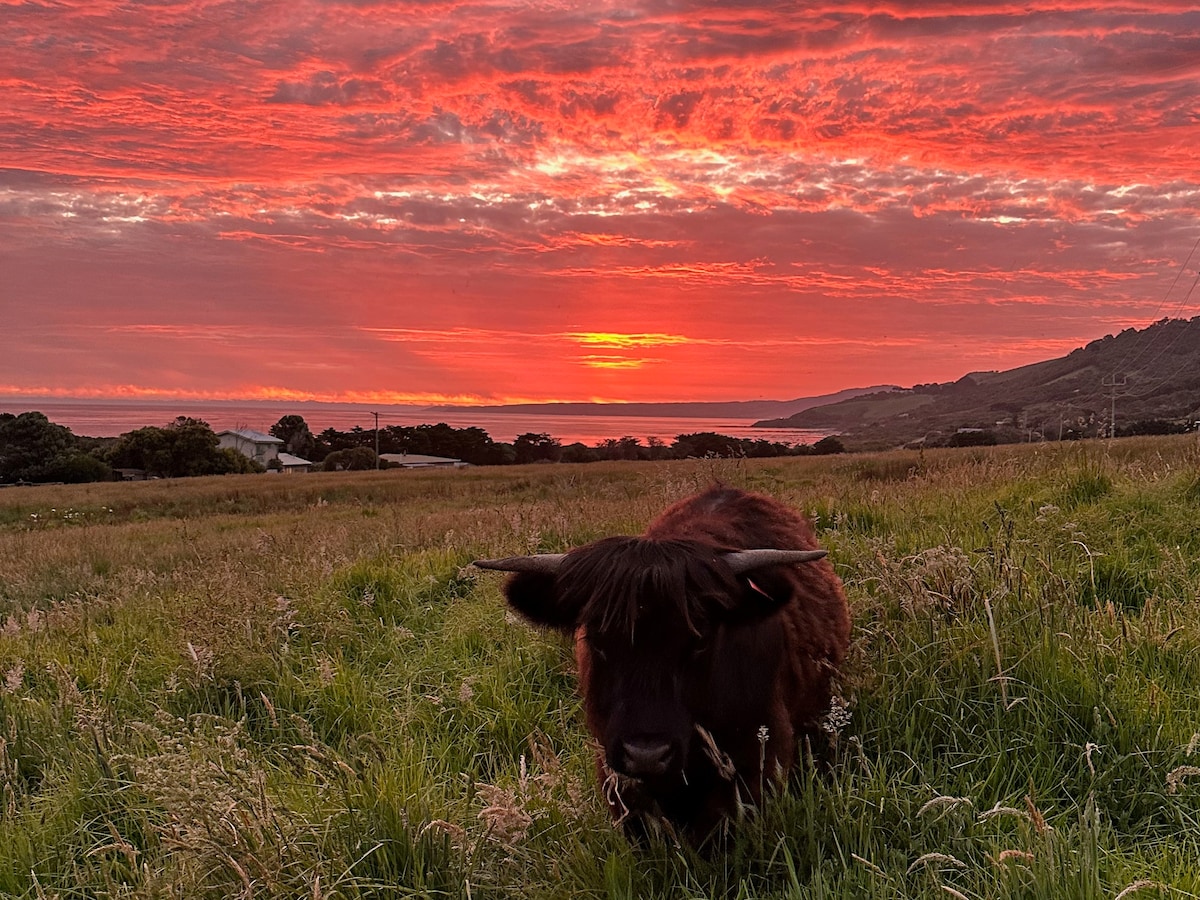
{"points": [[109, 418], [691, 409]]}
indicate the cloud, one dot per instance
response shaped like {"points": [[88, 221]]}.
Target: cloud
{"points": [[351, 196], [326, 88]]}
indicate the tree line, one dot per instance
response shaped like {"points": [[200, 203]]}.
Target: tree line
{"points": [[346, 449], [35, 450]]}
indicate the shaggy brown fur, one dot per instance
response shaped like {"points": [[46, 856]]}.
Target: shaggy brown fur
{"points": [[698, 684]]}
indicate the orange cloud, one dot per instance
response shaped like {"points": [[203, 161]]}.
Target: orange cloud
{"points": [[430, 200], [627, 341], [617, 362]]}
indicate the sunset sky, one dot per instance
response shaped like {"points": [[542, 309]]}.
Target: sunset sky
{"points": [[662, 200]]}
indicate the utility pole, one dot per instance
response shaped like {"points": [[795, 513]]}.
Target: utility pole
{"points": [[1112, 416], [376, 415]]}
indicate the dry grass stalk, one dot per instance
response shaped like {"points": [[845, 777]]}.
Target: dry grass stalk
{"points": [[936, 859], [1007, 856], [503, 814], [718, 757], [1138, 886], [612, 788], [1035, 816], [999, 810], [1000, 677], [870, 865], [1176, 777], [839, 717], [944, 804], [13, 678], [456, 833], [509, 813]]}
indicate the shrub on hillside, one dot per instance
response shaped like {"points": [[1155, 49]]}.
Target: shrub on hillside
{"points": [[827, 445]]}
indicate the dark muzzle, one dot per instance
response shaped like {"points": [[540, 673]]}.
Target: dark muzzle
{"points": [[645, 757]]}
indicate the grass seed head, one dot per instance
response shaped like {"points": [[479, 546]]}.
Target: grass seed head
{"points": [[940, 860], [1176, 778], [13, 678]]}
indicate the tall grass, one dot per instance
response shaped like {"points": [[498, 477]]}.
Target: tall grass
{"points": [[255, 686]]}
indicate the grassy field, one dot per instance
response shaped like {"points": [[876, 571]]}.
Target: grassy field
{"points": [[256, 686]]}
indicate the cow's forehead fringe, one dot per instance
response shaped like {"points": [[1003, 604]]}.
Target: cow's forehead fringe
{"points": [[617, 583]]}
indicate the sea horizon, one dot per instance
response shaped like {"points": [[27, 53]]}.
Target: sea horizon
{"points": [[114, 417]]}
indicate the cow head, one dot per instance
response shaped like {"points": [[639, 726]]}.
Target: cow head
{"points": [[669, 635]]}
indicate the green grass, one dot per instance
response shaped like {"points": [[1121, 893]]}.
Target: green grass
{"points": [[292, 686]]}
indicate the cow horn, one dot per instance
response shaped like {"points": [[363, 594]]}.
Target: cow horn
{"points": [[541, 563], [742, 561]]}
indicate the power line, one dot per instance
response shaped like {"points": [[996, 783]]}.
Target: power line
{"points": [[1183, 328], [376, 415], [1126, 364]]}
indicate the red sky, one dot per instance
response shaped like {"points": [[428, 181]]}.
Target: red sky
{"points": [[660, 200]]}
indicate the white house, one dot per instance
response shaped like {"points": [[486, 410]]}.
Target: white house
{"points": [[289, 463], [262, 448]]}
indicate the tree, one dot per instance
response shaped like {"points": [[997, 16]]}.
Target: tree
{"points": [[530, 447], [29, 446], [195, 448], [658, 448], [579, 453], [629, 447], [830, 444], [183, 448], [329, 440], [78, 468], [355, 459], [143, 448], [706, 443], [234, 462], [296, 436], [473, 445]]}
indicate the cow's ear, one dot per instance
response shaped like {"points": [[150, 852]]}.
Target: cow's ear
{"points": [[763, 592], [536, 596]]}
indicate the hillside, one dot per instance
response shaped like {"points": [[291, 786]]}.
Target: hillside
{"points": [[1159, 365]]}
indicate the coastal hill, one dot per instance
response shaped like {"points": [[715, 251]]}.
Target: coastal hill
{"points": [[1157, 370], [733, 409]]}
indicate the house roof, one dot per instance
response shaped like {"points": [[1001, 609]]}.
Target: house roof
{"points": [[249, 434], [286, 459], [418, 459]]}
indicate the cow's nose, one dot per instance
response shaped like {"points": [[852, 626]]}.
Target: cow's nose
{"points": [[646, 757]]}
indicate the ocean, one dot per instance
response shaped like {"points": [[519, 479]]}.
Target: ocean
{"points": [[109, 418]]}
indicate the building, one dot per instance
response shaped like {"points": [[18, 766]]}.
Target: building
{"points": [[262, 448], [289, 463], [420, 461]]}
